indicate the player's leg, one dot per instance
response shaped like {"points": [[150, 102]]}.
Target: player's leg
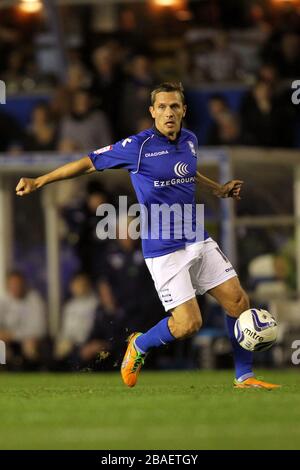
{"points": [[234, 301], [213, 273], [178, 298], [231, 296], [185, 320]]}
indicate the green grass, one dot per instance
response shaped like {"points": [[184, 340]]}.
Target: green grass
{"points": [[167, 410]]}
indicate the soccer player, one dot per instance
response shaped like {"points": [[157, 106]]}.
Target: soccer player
{"points": [[162, 162]]}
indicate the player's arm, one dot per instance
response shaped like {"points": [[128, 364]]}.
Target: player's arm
{"points": [[230, 189], [84, 166]]}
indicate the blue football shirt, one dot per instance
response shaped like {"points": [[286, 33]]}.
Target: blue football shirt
{"points": [[163, 175]]}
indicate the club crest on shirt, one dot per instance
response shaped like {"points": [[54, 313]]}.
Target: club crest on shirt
{"points": [[192, 147], [103, 149]]}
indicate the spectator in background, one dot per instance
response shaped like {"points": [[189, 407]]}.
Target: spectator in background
{"points": [[14, 73], [42, 131], [22, 73], [286, 55], [82, 221], [9, 38], [22, 322], [266, 120], [221, 64], [183, 65], [77, 78], [258, 118], [227, 130], [105, 344], [268, 73], [10, 131], [217, 105], [136, 91], [84, 128], [77, 318], [107, 81]]}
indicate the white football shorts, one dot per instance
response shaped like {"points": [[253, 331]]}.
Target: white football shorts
{"points": [[192, 270]]}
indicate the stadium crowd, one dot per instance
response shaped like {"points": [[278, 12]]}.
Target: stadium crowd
{"points": [[107, 74], [103, 96], [99, 311]]}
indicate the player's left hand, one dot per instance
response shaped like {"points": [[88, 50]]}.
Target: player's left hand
{"points": [[230, 189]]}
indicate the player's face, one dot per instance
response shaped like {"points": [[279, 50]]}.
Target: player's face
{"points": [[168, 111]]}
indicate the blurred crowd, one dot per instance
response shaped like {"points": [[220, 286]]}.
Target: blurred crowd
{"points": [[102, 94], [109, 296]]}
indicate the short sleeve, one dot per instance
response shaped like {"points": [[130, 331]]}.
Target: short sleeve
{"points": [[195, 146], [123, 154], [195, 140]]}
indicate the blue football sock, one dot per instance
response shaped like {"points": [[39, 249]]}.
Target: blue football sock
{"points": [[243, 359], [155, 337]]}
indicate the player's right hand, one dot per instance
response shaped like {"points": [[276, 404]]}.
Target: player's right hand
{"points": [[25, 186]]}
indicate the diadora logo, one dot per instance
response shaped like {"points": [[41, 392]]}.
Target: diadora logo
{"points": [[192, 147], [181, 169], [156, 154]]}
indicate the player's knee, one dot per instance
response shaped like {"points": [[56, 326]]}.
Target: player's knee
{"points": [[185, 327], [197, 324], [244, 303], [192, 326], [240, 303], [185, 320]]}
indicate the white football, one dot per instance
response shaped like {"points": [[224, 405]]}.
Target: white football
{"points": [[256, 330]]}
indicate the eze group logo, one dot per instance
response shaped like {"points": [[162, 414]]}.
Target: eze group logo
{"points": [[2, 353], [181, 169], [2, 92]]}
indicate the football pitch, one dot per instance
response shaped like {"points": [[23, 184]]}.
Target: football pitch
{"points": [[166, 410]]}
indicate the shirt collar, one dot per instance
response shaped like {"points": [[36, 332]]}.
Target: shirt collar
{"points": [[159, 134]]}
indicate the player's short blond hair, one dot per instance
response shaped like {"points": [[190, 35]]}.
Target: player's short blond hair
{"points": [[168, 87]]}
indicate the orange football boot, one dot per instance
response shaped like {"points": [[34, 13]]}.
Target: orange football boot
{"points": [[252, 382], [132, 362]]}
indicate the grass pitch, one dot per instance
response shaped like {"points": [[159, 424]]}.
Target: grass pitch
{"points": [[167, 410]]}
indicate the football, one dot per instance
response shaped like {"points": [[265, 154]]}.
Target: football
{"points": [[256, 330]]}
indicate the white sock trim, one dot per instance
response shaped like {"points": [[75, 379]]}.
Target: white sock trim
{"points": [[245, 377]]}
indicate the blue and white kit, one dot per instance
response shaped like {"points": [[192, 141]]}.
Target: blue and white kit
{"points": [[164, 172]]}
